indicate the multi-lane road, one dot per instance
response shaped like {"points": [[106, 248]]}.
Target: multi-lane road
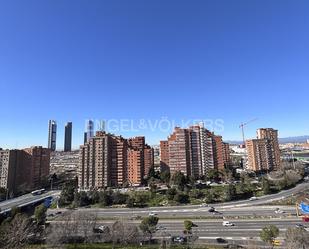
{"points": [[26, 200]]}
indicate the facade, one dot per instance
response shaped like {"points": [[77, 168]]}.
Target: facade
{"points": [[68, 137], [164, 155], [24, 170], [263, 152], [38, 163], [107, 160], [179, 151], [148, 159], [271, 135], [52, 135], [193, 151]]}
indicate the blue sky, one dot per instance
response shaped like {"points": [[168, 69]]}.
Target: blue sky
{"points": [[135, 60]]}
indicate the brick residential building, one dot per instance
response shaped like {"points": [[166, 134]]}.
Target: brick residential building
{"points": [[24, 170], [108, 160], [193, 151], [263, 152]]}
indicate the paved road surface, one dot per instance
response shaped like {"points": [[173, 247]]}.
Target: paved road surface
{"points": [[24, 199]]}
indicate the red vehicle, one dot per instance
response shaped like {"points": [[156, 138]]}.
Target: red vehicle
{"points": [[305, 219]]}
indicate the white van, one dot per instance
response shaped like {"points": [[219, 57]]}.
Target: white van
{"points": [[227, 224]]}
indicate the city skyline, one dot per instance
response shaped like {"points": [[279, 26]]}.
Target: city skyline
{"points": [[232, 61]]}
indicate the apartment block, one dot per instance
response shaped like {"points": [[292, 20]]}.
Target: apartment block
{"points": [[164, 155], [263, 152], [271, 135], [193, 151], [108, 160], [24, 170]]}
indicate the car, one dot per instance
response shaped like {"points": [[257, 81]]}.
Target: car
{"points": [[160, 228], [100, 229], [204, 205], [153, 214], [276, 243], [179, 239], [227, 224], [211, 209], [253, 198], [279, 211], [221, 240], [58, 213], [300, 226]]}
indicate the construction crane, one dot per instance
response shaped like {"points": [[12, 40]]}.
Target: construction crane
{"points": [[242, 125]]}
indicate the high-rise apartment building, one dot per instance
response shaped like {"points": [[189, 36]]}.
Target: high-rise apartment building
{"points": [[52, 134], [25, 169], [164, 155], [38, 163], [263, 152], [68, 136], [193, 151], [109, 160], [271, 135]]}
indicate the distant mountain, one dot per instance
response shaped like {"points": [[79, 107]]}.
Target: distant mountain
{"points": [[298, 139], [284, 140]]}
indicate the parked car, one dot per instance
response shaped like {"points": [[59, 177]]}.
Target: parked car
{"points": [[153, 214]]}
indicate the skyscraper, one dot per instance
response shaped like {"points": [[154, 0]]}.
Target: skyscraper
{"points": [[52, 134], [68, 136], [90, 129]]}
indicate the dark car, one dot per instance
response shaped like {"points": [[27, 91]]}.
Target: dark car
{"points": [[221, 240]]}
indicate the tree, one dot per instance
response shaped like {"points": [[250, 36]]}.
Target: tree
{"points": [[213, 175], [179, 180], [3, 193], [229, 192], [181, 198], [265, 186], [269, 233], [40, 214], [148, 225], [124, 233], [188, 225], [105, 199], [81, 199], [171, 192], [16, 233], [165, 176], [67, 194], [296, 238], [74, 228]]}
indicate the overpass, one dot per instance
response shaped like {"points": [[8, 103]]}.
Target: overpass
{"points": [[26, 200]]}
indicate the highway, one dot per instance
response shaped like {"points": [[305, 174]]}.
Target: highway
{"points": [[208, 231], [189, 212], [26, 200], [230, 209]]}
